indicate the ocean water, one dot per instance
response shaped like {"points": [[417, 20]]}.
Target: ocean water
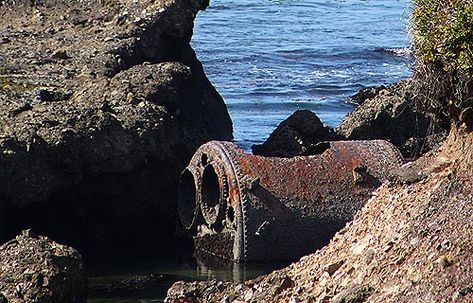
{"points": [[268, 58]]}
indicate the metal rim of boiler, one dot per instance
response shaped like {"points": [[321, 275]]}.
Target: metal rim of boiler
{"points": [[188, 205], [213, 194], [231, 203], [223, 161]]}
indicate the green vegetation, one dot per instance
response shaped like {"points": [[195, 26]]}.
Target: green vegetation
{"points": [[443, 43], [444, 33]]}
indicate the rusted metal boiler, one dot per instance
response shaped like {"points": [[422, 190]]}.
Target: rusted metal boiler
{"points": [[243, 207]]}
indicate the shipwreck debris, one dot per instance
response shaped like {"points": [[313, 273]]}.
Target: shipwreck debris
{"points": [[242, 207]]}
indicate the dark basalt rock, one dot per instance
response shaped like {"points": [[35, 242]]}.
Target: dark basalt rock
{"points": [[102, 103], [366, 93], [297, 135], [36, 269], [387, 113], [390, 114]]}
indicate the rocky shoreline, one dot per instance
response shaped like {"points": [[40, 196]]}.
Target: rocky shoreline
{"points": [[386, 112], [103, 104]]}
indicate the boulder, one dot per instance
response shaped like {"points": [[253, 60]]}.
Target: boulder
{"points": [[102, 103], [36, 269], [390, 114], [297, 135]]}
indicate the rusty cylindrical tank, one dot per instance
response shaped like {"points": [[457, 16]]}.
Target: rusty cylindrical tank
{"points": [[243, 207]]}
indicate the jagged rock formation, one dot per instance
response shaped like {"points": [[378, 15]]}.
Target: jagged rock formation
{"points": [[391, 114], [36, 269], [296, 135], [412, 241], [102, 103], [387, 113]]}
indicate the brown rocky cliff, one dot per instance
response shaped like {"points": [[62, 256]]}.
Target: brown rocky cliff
{"points": [[101, 105], [412, 241]]}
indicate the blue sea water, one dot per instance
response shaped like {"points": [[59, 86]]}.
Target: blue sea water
{"points": [[268, 58]]}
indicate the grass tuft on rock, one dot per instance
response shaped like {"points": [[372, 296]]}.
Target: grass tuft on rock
{"points": [[443, 44]]}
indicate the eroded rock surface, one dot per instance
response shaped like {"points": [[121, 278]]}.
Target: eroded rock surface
{"points": [[387, 113], [102, 103], [366, 93], [297, 135], [390, 114], [36, 269]]}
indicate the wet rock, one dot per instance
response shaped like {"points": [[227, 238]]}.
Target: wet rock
{"points": [[389, 113], [36, 269], [94, 132], [205, 291], [298, 134]]}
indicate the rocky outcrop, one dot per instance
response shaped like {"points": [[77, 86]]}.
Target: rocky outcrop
{"points": [[298, 135], [366, 93], [102, 103], [411, 240], [36, 269], [387, 113], [390, 114]]}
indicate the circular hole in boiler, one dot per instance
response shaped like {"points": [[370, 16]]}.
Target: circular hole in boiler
{"points": [[187, 199], [204, 159], [231, 214], [210, 193]]}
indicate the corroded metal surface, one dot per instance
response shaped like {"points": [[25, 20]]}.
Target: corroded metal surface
{"points": [[251, 208]]}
